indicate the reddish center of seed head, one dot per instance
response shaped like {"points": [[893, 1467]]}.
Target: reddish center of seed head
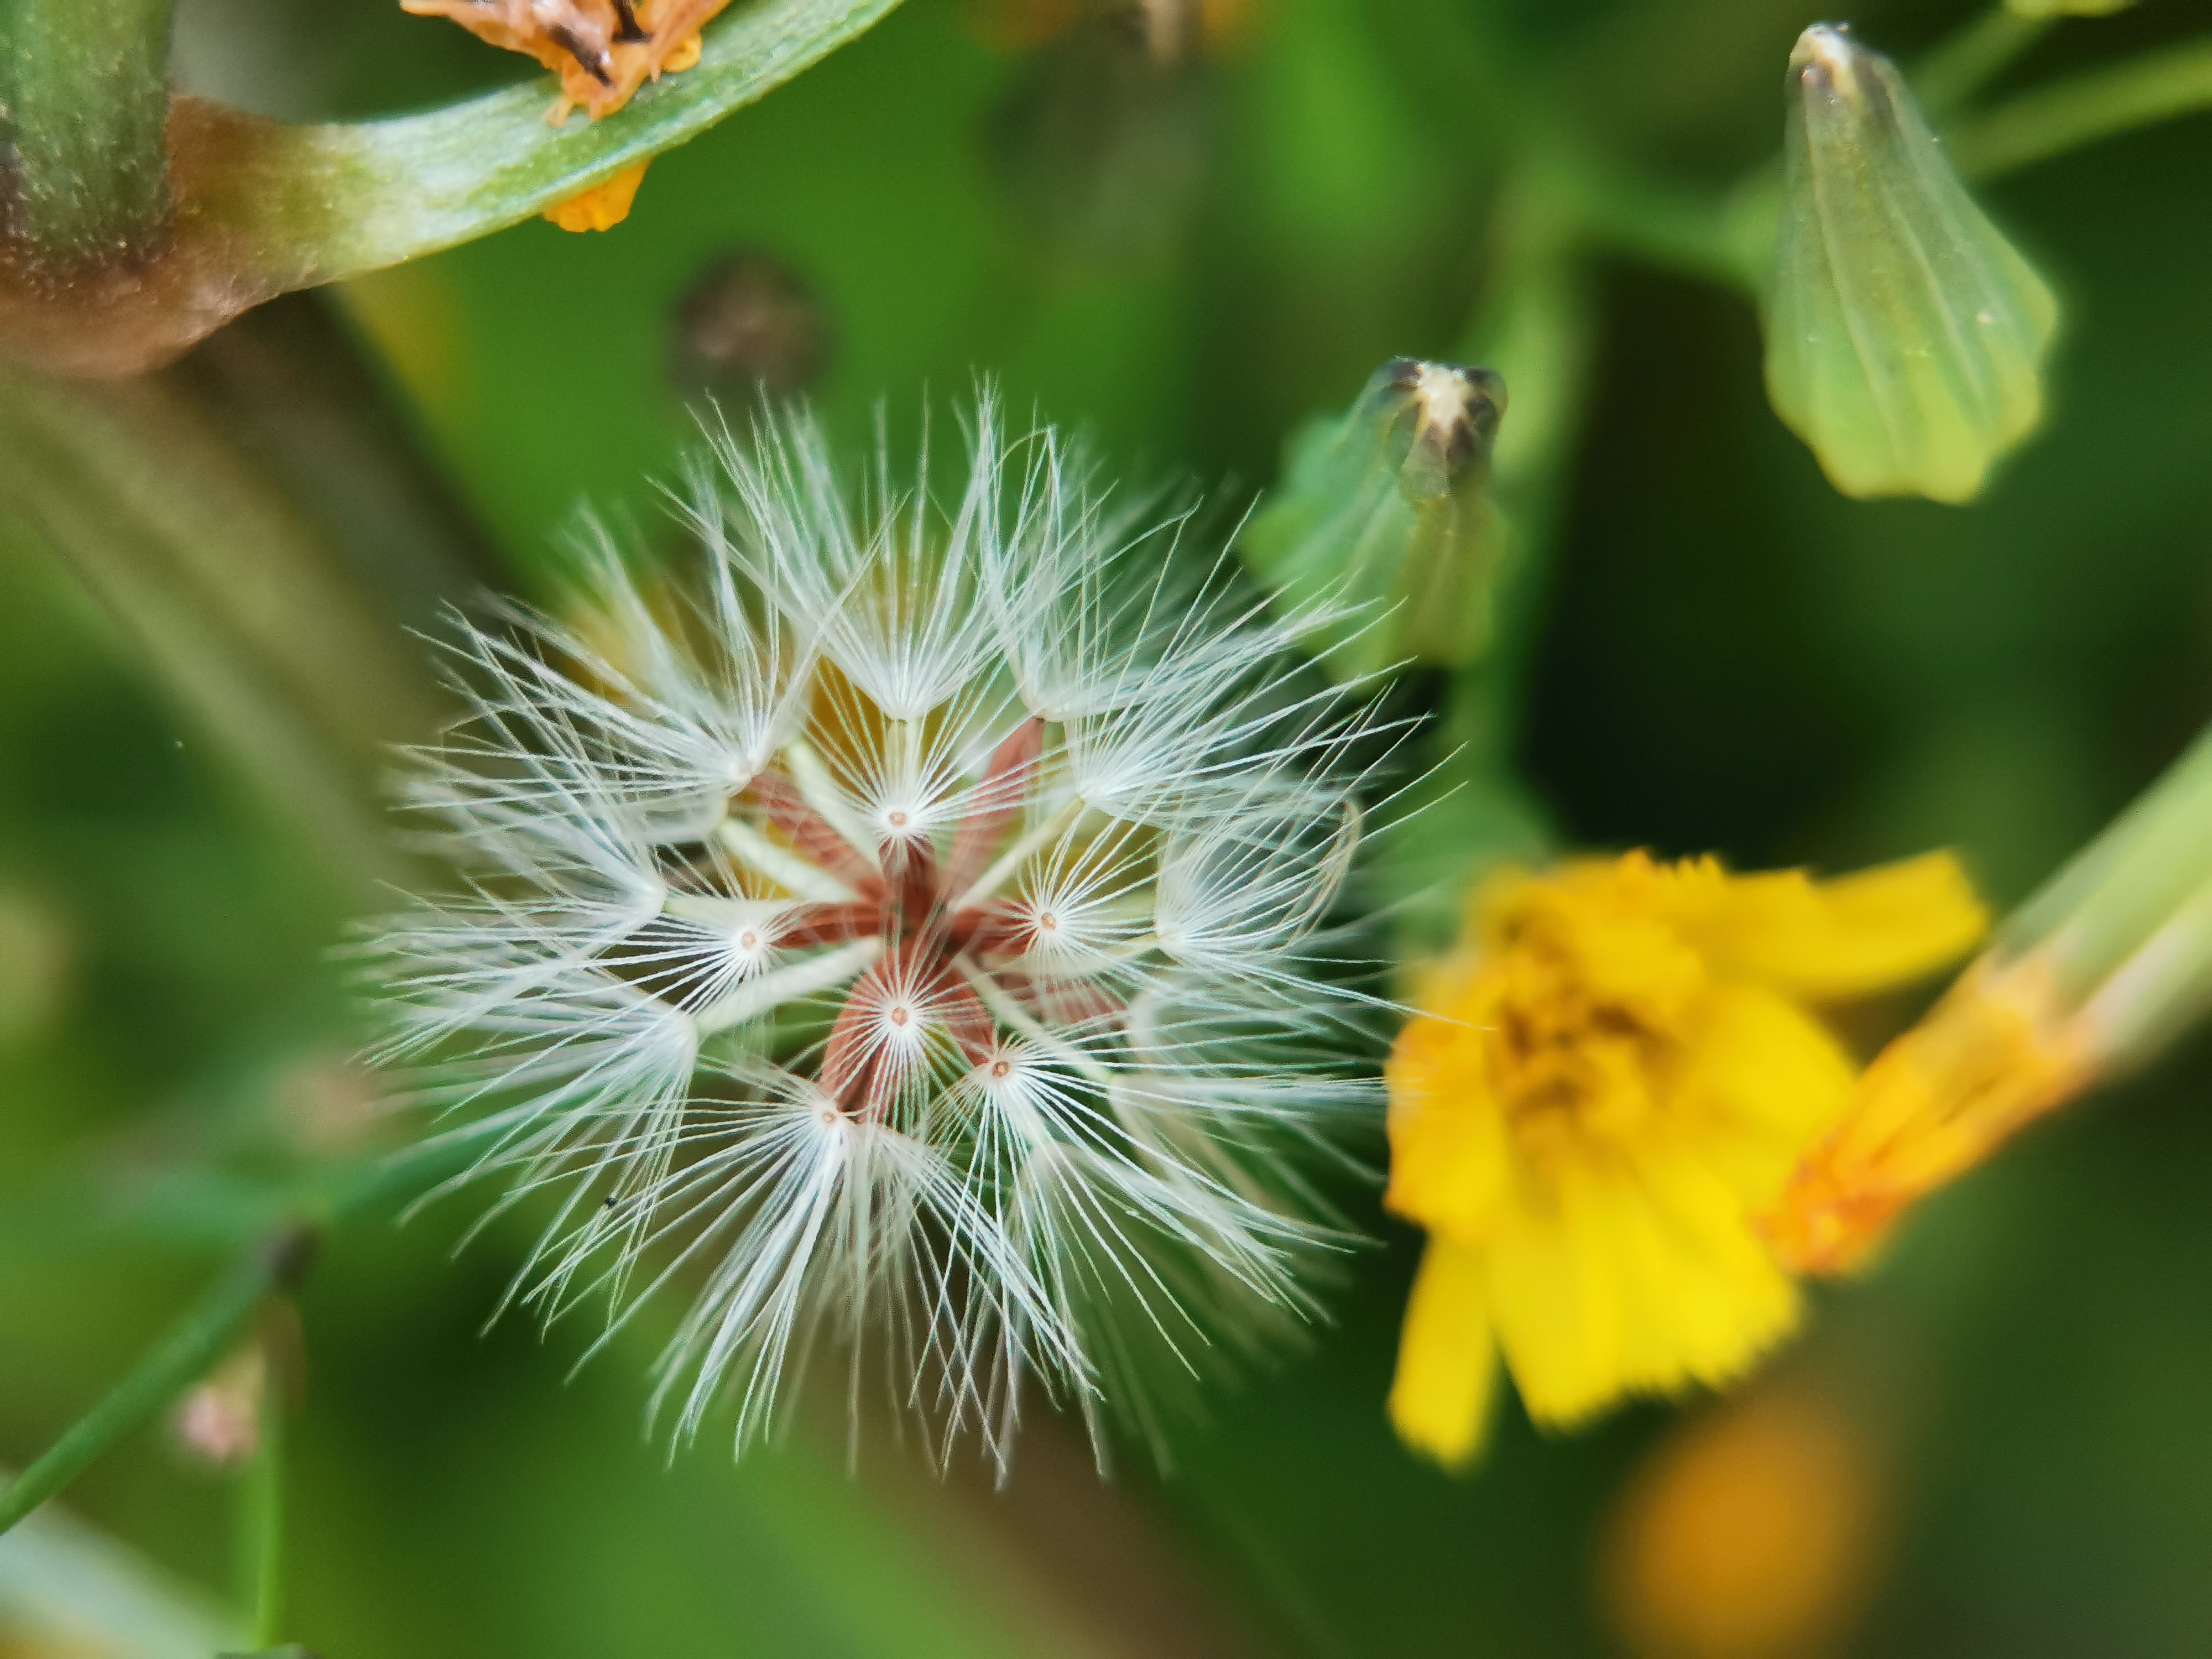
{"points": [[906, 896]]}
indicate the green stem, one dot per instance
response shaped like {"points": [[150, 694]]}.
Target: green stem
{"points": [[1535, 326], [1961, 66], [2067, 114], [84, 94], [264, 1518], [180, 1359], [1537, 329], [1670, 226]]}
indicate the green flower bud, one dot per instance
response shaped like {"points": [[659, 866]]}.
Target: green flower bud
{"points": [[1383, 513], [1906, 338]]}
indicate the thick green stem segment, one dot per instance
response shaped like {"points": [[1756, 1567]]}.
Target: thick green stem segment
{"points": [[84, 98], [180, 1359], [2067, 114]]}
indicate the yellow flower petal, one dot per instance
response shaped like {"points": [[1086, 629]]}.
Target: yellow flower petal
{"points": [[1440, 1400], [1763, 1078], [1643, 1284], [1558, 1312], [1707, 1295], [1846, 936], [601, 206], [1449, 1153]]}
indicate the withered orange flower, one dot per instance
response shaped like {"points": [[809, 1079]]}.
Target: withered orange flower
{"points": [[603, 50]]}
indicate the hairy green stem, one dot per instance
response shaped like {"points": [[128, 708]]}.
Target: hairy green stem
{"points": [[84, 98], [180, 1359], [2067, 114]]}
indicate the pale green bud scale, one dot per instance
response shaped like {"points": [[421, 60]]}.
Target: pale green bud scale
{"points": [[1905, 336]]}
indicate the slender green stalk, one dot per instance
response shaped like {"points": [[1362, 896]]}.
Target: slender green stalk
{"points": [[1535, 327], [179, 1359], [262, 1528], [1674, 227], [2070, 113], [84, 90], [1975, 56]]}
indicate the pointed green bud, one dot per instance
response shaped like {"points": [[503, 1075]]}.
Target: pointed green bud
{"points": [[1384, 511], [1906, 338]]}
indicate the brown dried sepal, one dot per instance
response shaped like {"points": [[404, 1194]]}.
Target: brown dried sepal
{"points": [[603, 50]]}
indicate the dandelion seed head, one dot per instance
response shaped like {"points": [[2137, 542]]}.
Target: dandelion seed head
{"points": [[907, 917]]}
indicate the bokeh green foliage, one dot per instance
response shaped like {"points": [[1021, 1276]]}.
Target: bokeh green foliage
{"points": [[1719, 653]]}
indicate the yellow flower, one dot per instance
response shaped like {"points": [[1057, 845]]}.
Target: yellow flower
{"points": [[1600, 1091]]}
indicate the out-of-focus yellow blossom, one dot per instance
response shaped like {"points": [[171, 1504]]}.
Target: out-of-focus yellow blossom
{"points": [[1613, 1075], [601, 206], [1750, 1533]]}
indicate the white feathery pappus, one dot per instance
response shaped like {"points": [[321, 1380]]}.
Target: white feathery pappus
{"points": [[903, 931]]}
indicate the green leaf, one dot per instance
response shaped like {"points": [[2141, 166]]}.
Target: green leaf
{"points": [[263, 207]]}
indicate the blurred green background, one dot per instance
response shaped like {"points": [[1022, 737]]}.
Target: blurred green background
{"points": [[1184, 262]]}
